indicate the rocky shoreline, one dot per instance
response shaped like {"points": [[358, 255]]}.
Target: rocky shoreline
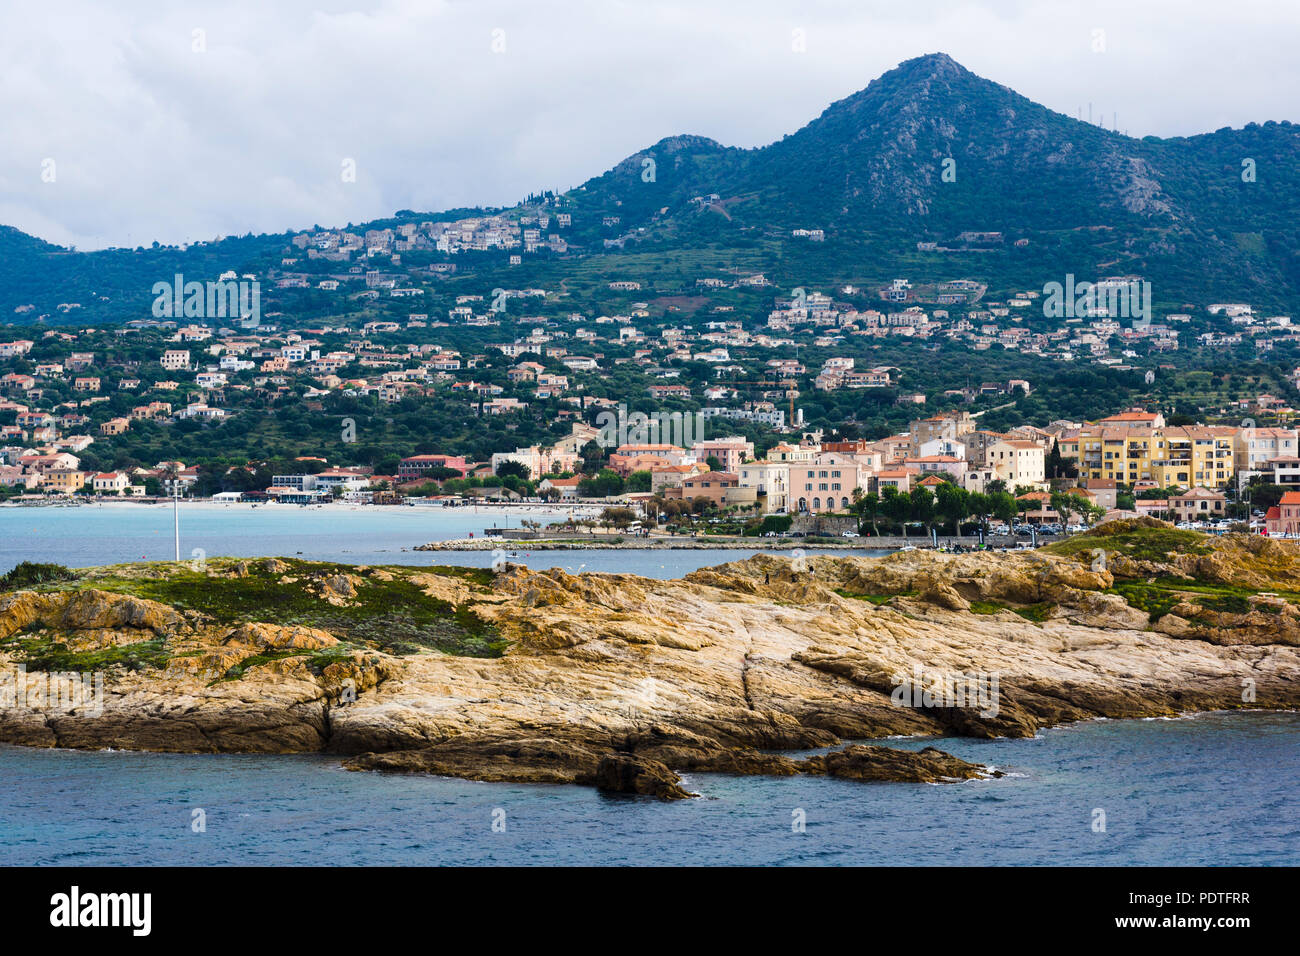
{"points": [[622, 682]]}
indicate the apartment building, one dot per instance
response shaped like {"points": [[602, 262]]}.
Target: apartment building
{"points": [[827, 483], [1172, 456], [730, 452], [770, 481], [952, 425], [175, 360], [1017, 462], [1256, 446]]}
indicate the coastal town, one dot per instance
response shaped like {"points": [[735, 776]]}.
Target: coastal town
{"points": [[82, 409], [424, 444], [944, 467], [773, 405]]}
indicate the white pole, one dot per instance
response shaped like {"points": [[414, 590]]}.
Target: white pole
{"points": [[176, 521]]}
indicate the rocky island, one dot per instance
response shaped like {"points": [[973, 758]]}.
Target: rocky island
{"points": [[622, 682]]}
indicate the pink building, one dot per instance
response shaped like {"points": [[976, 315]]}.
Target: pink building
{"points": [[1285, 518], [730, 452], [826, 483]]}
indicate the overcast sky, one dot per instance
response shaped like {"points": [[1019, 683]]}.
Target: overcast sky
{"points": [[126, 126]]}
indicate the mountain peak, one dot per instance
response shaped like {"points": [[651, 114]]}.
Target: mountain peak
{"points": [[934, 64], [925, 73]]}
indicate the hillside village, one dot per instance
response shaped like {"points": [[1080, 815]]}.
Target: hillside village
{"points": [[105, 411], [1131, 462]]}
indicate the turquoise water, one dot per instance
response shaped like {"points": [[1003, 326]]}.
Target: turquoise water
{"points": [[110, 534], [1210, 789]]}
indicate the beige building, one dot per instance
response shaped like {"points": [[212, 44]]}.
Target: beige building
{"points": [[1199, 504], [1017, 462], [952, 425], [721, 487], [730, 452], [1256, 446], [770, 481], [110, 482], [175, 360]]}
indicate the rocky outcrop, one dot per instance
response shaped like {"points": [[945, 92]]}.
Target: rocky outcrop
{"points": [[728, 670], [887, 764], [624, 773], [85, 610]]}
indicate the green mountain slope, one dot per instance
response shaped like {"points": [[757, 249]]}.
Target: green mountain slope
{"points": [[870, 172]]}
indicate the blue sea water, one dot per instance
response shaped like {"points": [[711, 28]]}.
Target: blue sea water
{"points": [[90, 535], [1215, 789], [1207, 789]]}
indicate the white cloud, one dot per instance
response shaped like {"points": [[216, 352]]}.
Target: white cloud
{"points": [[153, 140]]}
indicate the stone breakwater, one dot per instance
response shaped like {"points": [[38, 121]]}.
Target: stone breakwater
{"points": [[622, 682], [615, 543]]}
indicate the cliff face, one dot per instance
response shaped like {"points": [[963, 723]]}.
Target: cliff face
{"points": [[620, 681]]}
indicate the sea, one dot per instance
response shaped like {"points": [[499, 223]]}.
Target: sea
{"points": [[1200, 789]]}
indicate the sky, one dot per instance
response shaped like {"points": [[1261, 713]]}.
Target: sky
{"points": [[185, 121]]}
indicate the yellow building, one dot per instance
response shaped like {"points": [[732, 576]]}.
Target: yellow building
{"points": [[1173, 456], [63, 481], [1197, 456]]}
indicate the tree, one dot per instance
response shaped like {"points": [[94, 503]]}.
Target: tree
{"points": [[1090, 512], [1059, 467], [922, 510], [603, 484], [619, 518], [1002, 506], [868, 508], [638, 481], [593, 456], [896, 506], [952, 504], [513, 469], [1068, 503]]}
